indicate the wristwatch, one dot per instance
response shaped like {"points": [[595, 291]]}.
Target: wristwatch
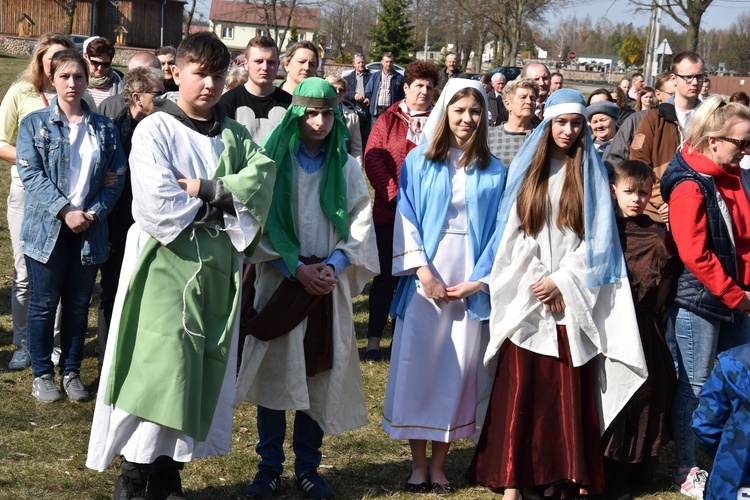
{"points": [[93, 214]]}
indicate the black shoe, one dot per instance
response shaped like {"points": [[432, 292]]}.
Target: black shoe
{"points": [[131, 485], [165, 482], [372, 355], [443, 489], [417, 487], [315, 486], [265, 484]]}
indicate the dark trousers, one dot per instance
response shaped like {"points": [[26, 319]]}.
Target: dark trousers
{"points": [[62, 279], [384, 284], [119, 222], [365, 125]]}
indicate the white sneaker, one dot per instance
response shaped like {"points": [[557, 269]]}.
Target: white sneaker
{"points": [[20, 360], [44, 390], [74, 388], [691, 484], [56, 352]]}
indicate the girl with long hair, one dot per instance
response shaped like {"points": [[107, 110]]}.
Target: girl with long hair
{"points": [[559, 291], [32, 91], [63, 153], [449, 192], [646, 99]]}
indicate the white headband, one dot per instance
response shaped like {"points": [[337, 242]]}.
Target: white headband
{"points": [[564, 108]]}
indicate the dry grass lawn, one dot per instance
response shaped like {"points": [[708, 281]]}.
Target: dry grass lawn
{"points": [[43, 446]]}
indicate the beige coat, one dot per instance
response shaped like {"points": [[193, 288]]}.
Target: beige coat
{"points": [[272, 373]]}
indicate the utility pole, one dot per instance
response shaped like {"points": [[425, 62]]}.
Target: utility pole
{"points": [[426, 41], [651, 69]]}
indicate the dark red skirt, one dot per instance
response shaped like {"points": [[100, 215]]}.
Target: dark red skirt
{"points": [[542, 424]]}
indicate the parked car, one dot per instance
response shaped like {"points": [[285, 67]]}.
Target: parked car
{"points": [[76, 39], [374, 67], [510, 72]]}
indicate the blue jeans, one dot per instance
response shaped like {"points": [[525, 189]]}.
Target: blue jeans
{"points": [[62, 279], [698, 341], [306, 441]]}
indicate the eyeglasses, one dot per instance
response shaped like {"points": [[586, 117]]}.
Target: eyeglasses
{"points": [[690, 78], [340, 90], [103, 64], [742, 144], [155, 93]]}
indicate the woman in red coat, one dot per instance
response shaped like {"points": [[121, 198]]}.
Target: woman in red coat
{"points": [[395, 133]]}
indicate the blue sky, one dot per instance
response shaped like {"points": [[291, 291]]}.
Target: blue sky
{"points": [[720, 14]]}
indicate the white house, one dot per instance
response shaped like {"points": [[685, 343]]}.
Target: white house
{"points": [[235, 22]]}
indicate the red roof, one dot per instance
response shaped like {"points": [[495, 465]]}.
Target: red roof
{"points": [[241, 12]]}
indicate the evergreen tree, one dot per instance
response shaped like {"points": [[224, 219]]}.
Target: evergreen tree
{"points": [[393, 31]]}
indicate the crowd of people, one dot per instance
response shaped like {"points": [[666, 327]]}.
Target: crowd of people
{"points": [[560, 273]]}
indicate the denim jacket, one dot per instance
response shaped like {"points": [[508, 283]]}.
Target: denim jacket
{"points": [[43, 153]]}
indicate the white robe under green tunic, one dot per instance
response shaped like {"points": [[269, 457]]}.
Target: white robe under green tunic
{"points": [[168, 150], [600, 321], [273, 372]]}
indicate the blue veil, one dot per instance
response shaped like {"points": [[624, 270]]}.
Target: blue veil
{"points": [[604, 259]]}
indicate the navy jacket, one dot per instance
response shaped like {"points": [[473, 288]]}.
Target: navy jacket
{"points": [[691, 294], [371, 90]]}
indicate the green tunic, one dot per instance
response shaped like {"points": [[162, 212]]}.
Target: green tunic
{"points": [[179, 312]]}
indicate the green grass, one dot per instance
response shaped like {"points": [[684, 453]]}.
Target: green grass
{"points": [[43, 446]]}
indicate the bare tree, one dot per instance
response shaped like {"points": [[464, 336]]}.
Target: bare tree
{"points": [[686, 13], [69, 6], [508, 18], [278, 15], [346, 23], [189, 18]]}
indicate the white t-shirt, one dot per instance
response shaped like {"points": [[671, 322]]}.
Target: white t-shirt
{"points": [[84, 153]]}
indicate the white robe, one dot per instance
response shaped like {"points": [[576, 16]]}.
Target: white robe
{"points": [[164, 151], [432, 383], [273, 372], [600, 322]]}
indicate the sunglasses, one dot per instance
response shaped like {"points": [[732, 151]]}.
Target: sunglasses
{"points": [[742, 144], [97, 63]]}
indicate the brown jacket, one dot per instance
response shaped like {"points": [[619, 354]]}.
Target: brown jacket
{"points": [[656, 140]]}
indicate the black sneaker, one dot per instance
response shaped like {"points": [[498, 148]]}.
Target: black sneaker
{"points": [[131, 485], [315, 486], [265, 484], [165, 482]]}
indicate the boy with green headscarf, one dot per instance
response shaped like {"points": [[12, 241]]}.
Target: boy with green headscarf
{"points": [[318, 254]]}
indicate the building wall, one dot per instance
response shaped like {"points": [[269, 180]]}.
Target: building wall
{"points": [[48, 16], [141, 19], [243, 34]]}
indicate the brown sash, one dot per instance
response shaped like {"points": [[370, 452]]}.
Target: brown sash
{"points": [[289, 305]]}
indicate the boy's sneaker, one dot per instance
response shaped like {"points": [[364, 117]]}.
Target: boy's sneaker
{"points": [[20, 360], [73, 387], [691, 483], [265, 484], [44, 390], [314, 486]]}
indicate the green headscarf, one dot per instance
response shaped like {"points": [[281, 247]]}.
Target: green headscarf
{"points": [[280, 146]]}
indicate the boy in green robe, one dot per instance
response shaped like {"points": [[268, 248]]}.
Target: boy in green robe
{"points": [[201, 194]]}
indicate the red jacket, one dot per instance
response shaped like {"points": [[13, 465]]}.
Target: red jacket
{"points": [[386, 150], [688, 221]]}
